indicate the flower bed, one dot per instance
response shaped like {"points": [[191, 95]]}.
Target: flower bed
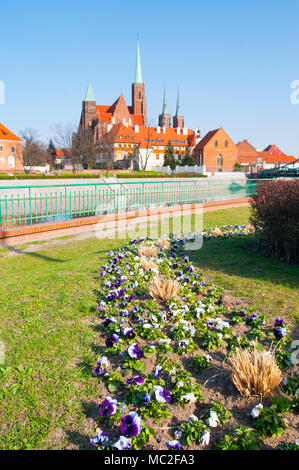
{"points": [[166, 344]]}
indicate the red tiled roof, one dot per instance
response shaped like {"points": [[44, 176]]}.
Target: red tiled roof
{"points": [[273, 150], [277, 158], [272, 154], [205, 140], [149, 136], [6, 134]]}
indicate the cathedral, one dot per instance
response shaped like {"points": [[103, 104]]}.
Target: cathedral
{"points": [[120, 132]]}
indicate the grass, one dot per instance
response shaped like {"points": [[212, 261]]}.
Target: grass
{"points": [[48, 324], [268, 285]]}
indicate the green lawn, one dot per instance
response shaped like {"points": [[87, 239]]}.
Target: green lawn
{"points": [[49, 328]]}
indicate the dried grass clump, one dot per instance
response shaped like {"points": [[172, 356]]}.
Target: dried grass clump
{"points": [[250, 228], [255, 372], [164, 289], [148, 264], [162, 243], [148, 251], [217, 231]]}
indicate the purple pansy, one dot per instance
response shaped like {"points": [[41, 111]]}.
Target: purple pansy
{"points": [[147, 398], [123, 443], [112, 340], [137, 379], [174, 445], [129, 333], [162, 394], [278, 323], [99, 438], [130, 425], [135, 352], [157, 372], [108, 407], [279, 333]]}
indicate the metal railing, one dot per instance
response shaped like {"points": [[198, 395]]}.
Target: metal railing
{"points": [[28, 205]]}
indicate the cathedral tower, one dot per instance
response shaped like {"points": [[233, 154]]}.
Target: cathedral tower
{"points": [[164, 118], [178, 121], [89, 112], [138, 90]]}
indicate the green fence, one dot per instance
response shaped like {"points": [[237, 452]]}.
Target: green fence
{"points": [[28, 205]]}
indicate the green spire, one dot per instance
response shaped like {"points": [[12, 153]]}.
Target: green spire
{"points": [[138, 74], [164, 102], [178, 107], [89, 93]]}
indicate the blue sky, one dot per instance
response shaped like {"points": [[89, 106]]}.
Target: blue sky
{"points": [[233, 61]]}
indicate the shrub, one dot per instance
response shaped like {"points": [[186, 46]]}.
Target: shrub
{"points": [[275, 213], [255, 372]]}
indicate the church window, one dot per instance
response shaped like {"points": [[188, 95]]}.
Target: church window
{"points": [[226, 143], [216, 143], [219, 160]]}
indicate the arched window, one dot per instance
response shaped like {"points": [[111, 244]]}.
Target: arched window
{"points": [[13, 149], [219, 160], [226, 143], [216, 143], [140, 95]]}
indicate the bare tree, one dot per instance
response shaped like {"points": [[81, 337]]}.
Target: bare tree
{"points": [[83, 145], [34, 151], [63, 137], [145, 144]]}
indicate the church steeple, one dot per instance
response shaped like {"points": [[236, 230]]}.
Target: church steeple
{"points": [[89, 96], [178, 104], [164, 118], [138, 90], [138, 73], [178, 120]]}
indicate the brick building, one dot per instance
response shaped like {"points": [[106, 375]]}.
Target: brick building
{"points": [[122, 129], [216, 151], [254, 161], [10, 151]]}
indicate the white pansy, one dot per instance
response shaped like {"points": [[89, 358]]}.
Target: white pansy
{"points": [[213, 420], [180, 384], [192, 418], [190, 397], [205, 438], [256, 411]]}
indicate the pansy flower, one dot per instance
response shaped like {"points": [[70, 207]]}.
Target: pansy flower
{"points": [[135, 352], [205, 438], [130, 425], [123, 443], [162, 394], [278, 323], [100, 438], [171, 445], [157, 372], [108, 407], [114, 339], [256, 411], [100, 369], [129, 333], [279, 333], [137, 379], [147, 398]]}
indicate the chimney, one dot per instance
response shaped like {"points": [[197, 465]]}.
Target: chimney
{"points": [[164, 129], [158, 129], [136, 128], [178, 130]]}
